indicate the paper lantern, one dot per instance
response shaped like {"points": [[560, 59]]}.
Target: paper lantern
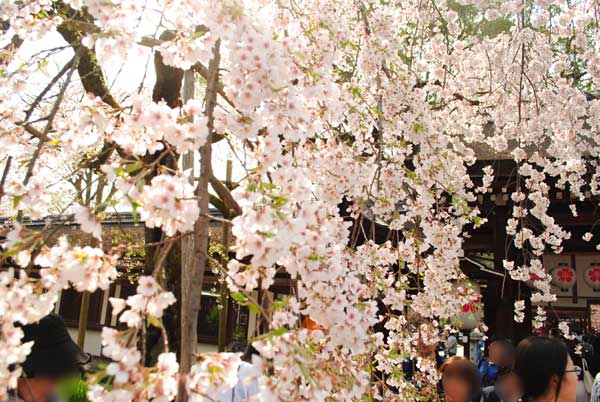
{"points": [[468, 320], [470, 313], [563, 277], [591, 276]]}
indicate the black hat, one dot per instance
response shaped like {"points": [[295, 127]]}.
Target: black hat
{"points": [[53, 354]]}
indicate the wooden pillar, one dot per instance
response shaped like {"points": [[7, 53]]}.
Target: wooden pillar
{"points": [[491, 302], [503, 291], [83, 319], [223, 291]]}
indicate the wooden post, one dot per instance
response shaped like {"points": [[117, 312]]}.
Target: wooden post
{"points": [[223, 293], [85, 297], [83, 319]]}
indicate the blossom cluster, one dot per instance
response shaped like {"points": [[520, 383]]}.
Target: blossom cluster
{"points": [[88, 222], [21, 302], [565, 331], [169, 203], [519, 311], [540, 318], [210, 377], [24, 300], [130, 378], [213, 375], [85, 268], [143, 129]]}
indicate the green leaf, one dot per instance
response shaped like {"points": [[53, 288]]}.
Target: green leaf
{"points": [[314, 257], [10, 253], [272, 334], [279, 304], [153, 321], [278, 200], [393, 354], [418, 128], [254, 308], [16, 200], [238, 297], [134, 166]]}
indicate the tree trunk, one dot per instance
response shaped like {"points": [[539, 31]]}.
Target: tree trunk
{"points": [[187, 242], [167, 88], [193, 275]]}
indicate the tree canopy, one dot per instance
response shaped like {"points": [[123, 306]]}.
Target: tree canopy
{"points": [[378, 106]]}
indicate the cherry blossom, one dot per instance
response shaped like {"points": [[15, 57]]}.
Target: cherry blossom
{"points": [[168, 203], [89, 223], [129, 376], [16, 240], [85, 268], [519, 310], [213, 375], [540, 318], [563, 326], [21, 302]]}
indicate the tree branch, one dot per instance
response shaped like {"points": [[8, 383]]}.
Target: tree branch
{"points": [[226, 196], [54, 80], [203, 71], [5, 175], [48, 127], [90, 71]]}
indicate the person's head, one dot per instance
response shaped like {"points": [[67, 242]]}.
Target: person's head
{"points": [[502, 352], [461, 381], [508, 386], [545, 369], [249, 352], [451, 344], [236, 346], [54, 356]]}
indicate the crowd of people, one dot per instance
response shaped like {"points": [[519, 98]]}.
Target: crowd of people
{"points": [[55, 357], [539, 369]]}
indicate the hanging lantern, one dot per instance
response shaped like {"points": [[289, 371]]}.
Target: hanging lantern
{"points": [[470, 314], [591, 276], [563, 277], [470, 317]]}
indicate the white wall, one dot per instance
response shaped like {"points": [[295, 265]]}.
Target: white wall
{"points": [[207, 348], [93, 343]]}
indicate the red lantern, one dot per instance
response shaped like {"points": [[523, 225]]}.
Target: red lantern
{"points": [[470, 313], [563, 277], [468, 321], [591, 276]]}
